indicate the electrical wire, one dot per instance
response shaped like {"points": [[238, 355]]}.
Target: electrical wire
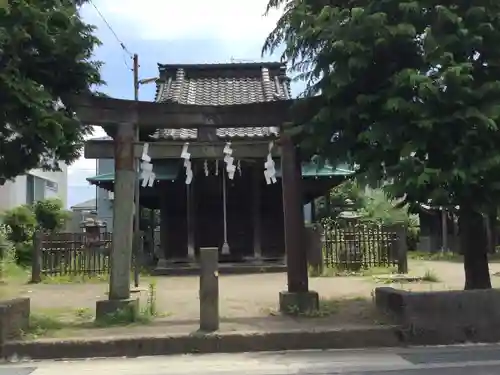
{"points": [[120, 42]]}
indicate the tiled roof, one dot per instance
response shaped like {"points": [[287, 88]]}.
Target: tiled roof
{"points": [[87, 205], [105, 138], [222, 84]]}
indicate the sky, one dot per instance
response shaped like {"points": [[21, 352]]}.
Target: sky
{"points": [[166, 31]]}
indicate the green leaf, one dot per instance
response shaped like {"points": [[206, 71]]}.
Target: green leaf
{"points": [[49, 49]]}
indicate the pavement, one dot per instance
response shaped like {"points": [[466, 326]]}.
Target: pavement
{"points": [[444, 360]]}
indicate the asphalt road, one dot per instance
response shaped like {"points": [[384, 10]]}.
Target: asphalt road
{"points": [[456, 360]]}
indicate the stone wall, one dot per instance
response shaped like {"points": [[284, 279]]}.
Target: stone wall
{"points": [[14, 318], [443, 317]]}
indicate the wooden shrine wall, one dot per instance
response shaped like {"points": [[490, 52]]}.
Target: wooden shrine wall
{"points": [[208, 218]]}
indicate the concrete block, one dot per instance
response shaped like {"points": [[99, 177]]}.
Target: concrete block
{"points": [[444, 316], [105, 308], [14, 318], [293, 303]]}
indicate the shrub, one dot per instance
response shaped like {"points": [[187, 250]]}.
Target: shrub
{"points": [[378, 207], [373, 206], [50, 214], [22, 221], [8, 257], [20, 224]]}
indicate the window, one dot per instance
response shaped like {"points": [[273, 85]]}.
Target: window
{"points": [[30, 189], [38, 188], [51, 185]]}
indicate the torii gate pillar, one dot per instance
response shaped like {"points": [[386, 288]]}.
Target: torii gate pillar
{"points": [[123, 230], [298, 297]]}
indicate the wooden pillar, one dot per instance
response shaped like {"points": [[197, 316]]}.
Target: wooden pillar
{"points": [[163, 251], [444, 230], [123, 213], [296, 257], [151, 233], [257, 214], [313, 210], [190, 216], [328, 203]]}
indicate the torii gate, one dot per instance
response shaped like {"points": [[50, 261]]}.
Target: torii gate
{"points": [[121, 117]]}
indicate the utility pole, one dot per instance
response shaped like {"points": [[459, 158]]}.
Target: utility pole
{"points": [[137, 216]]}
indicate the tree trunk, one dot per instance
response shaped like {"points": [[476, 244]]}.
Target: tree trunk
{"points": [[474, 245]]}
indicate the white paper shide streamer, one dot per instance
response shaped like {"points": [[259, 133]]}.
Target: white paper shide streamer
{"points": [[187, 163], [229, 160], [269, 169], [205, 168], [147, 175]]}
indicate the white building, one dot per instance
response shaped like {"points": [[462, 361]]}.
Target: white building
{"points": [[34, 186]]}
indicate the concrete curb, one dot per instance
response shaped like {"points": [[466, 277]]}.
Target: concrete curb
{"points": [[231, 342]]}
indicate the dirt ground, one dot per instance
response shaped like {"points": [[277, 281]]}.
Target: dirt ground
{"points": [[241, 295], [245, 300]]}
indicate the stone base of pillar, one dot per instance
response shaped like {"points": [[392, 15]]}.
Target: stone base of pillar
{"points": [[162, 263], [110, 307], [292, 303], [254, 259]]}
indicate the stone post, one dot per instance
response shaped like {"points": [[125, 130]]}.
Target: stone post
{"points": [[36, 262], [209, 289], [402, 249]]}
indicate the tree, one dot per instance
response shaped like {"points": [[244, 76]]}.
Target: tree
{"points": [[50, 214], [410, 92], [45, 56]]}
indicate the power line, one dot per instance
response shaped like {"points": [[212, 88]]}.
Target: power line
{"points": [[120, 42]]}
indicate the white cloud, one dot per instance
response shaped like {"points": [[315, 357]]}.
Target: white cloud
{"points": [[233, 23], [226, 20]]}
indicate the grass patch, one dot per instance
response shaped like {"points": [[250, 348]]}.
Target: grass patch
{"points": [[430, 276], [87, 279], [60, 322], [128, 316], [75, 279], [11, 271], [439, 256], [48, 322], [447, 256], [14, 272], [327, 307], [343, 310], [335, 271]]}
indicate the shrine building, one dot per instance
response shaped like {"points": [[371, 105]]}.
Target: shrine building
{"points": [[241, 214]]}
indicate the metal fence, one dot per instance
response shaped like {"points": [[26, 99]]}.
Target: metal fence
{"points": [[360, 246], [60, 254]]}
